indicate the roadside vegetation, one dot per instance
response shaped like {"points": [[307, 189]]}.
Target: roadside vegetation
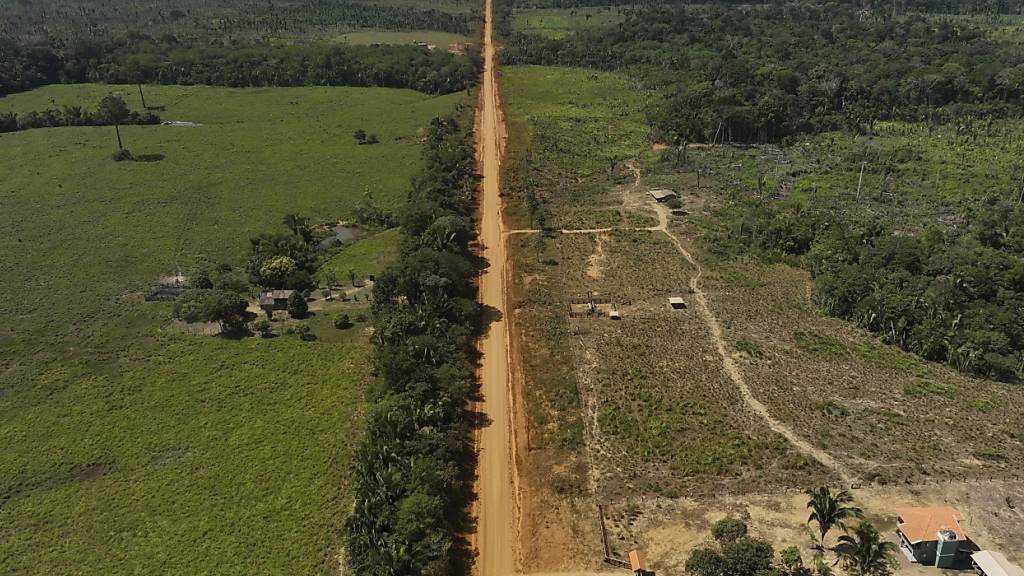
{"points": [[414, 470]]}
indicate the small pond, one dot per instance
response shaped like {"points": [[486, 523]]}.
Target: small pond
{"points": [[339, 235]]}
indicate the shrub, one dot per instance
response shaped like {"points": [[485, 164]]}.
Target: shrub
{"points": [[705, 562], [122, 155], [747, 556], [297, 307], [227, 308], [342, 322], [304, 333], [728, 530], [262, 327]]}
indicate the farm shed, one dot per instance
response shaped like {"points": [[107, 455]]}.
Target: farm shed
{"points": [[677, 303], [991, 563], [275, 300], [663, 194], [614, 315], [930, 536], [638, 564]]}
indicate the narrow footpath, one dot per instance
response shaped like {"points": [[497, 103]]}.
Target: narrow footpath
{"points": [[495, 540]]}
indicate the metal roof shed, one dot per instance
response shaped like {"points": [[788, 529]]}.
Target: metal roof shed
{"points": [[662, 194], [991, 563]]}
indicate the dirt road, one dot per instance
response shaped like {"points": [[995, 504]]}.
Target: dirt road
{"points": [[495, 539]]}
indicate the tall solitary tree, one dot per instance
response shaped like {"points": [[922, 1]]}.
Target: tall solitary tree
{"points": [[113, 109], [864, 552], [830, 510]]}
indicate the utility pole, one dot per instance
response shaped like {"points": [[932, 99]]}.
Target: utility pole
{"points": [[860, 180]]}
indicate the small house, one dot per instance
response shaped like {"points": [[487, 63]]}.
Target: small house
{"points": [[930, 536], [663, 194], [275, 300], [677, 303], [991, 563], [614, 315]]}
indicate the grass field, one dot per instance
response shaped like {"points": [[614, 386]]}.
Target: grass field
{"points": [[561, 22], [130, 447], [578, 123], [370, 255], [556, 136]]}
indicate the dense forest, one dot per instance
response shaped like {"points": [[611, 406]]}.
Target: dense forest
{"points": [[762, 73], [216, 21], [141, 59], [414, 469], [967, 7]]}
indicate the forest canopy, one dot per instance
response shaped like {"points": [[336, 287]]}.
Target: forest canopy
{"points": [[762, 73], [142, 59]]}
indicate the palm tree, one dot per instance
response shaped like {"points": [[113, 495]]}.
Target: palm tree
{"points": [[865, 553], [829, 511]]}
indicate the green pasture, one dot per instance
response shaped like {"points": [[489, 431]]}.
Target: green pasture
{"points": [[128, 446], [370, 255], [561, 22], [439, 40]]}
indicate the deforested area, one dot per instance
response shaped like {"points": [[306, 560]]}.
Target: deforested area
{"points": [[760, 249]]}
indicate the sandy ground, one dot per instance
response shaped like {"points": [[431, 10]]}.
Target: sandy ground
{"points": [[669, 530], [496, 536]]}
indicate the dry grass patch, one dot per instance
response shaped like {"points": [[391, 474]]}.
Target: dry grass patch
{"points": [[888, 414]]}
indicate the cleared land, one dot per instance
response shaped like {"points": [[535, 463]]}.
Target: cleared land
{"points": [[638, 414], [560, 22], [130, 446], [627, 409], [439, 40]]}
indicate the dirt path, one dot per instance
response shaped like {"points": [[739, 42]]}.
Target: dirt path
{"points": [[733, 370], [714, 328], [496, 507]]}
